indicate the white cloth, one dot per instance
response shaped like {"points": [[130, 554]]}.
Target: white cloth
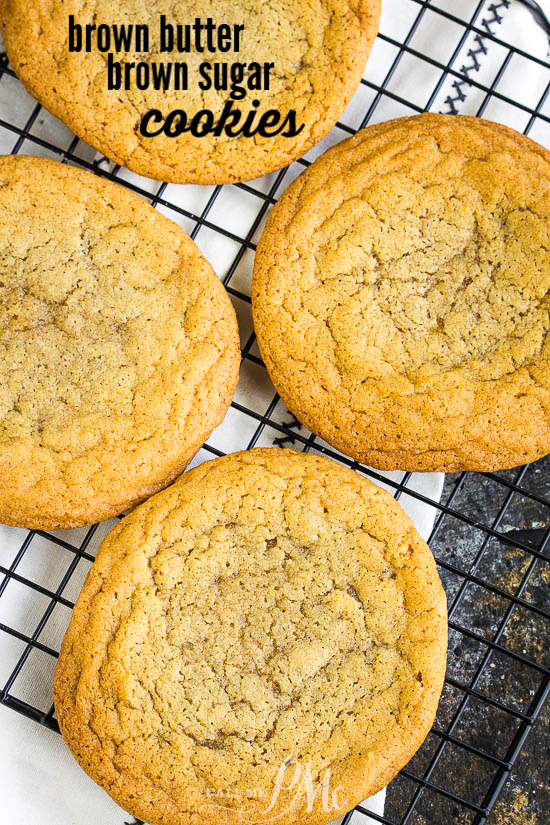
{"points": [[39, 780]]}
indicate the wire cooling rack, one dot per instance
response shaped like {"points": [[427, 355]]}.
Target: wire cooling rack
{"points": [[491, 534]]}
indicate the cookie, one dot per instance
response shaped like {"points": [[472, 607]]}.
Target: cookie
{"points": [[271, 618], [119, 347], [400, 296], [317, 50]]}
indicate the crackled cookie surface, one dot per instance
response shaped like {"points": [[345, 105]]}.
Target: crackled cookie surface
{"points": [[118, 347], [401, 300], [318, 47], [269, 606]]}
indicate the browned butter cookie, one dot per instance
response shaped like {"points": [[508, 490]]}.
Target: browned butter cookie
{"points": [[307, 56], [119, 348], [270, 623], [401, 299]]}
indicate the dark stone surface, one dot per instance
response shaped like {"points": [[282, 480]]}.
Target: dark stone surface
{"points": [[520, 514]]}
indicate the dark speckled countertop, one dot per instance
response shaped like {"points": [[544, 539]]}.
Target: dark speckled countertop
{"points": [[525, 798]]}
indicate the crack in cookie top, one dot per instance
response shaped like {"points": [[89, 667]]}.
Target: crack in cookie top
{"points": [[268, 607], [119, 346], [318, 47], [400, 295]]}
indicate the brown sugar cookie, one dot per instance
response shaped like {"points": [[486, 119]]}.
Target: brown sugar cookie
{"points": [[400, 296], [119, 348], [271, 618], [317, 50]]}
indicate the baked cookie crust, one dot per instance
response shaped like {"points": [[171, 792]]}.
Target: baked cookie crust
{"points": [[119, 349], [268, 606], [319, 48], [400, 296]]}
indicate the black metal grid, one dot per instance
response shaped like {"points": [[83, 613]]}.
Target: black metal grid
{"points": [[495, 601]]}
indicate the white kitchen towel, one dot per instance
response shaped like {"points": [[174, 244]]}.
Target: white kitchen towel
{"points": [[39, 780]]}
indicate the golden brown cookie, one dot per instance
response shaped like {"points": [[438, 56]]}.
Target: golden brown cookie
{"points": [[119, 347], [400, 296], [271, 616], [318, 49]]}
